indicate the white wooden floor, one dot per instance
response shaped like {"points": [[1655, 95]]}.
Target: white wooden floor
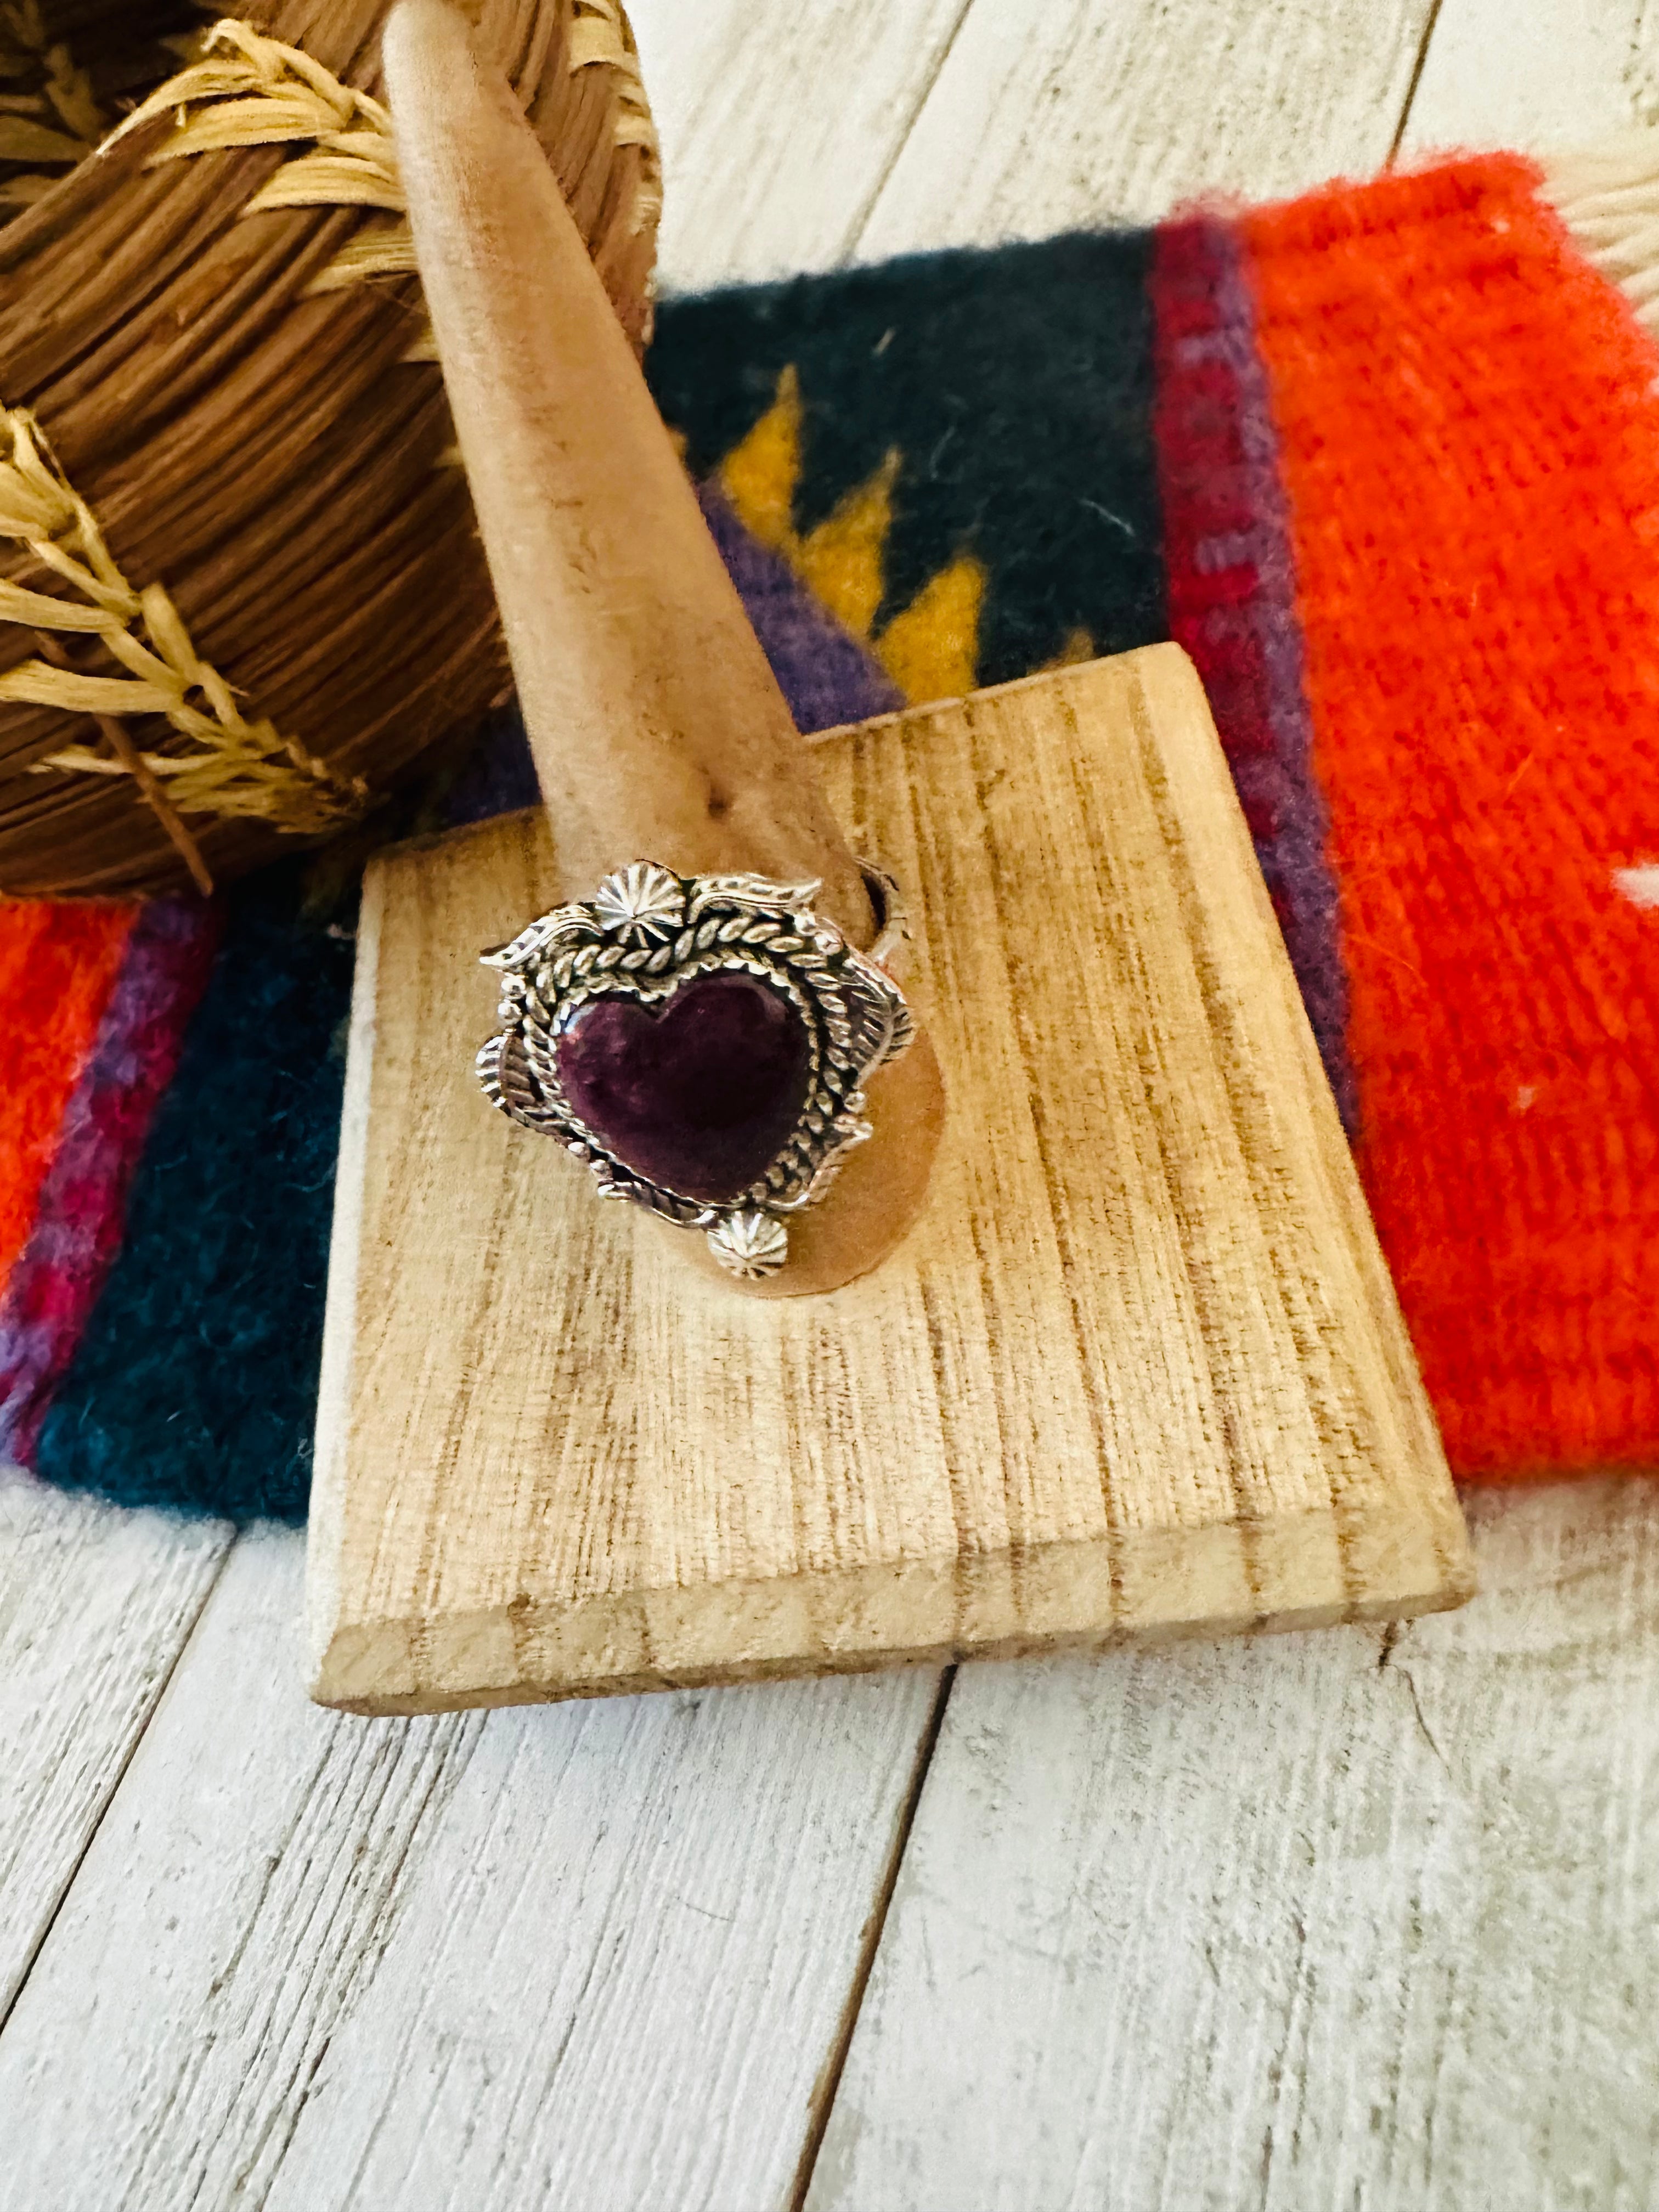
{"points": [[1342, 1922]]}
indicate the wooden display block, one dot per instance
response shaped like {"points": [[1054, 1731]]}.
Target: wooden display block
{"points": [[1138, 1370]]}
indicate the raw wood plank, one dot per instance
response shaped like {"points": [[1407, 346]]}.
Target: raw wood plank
{"points": [[1137, 1369], [1556, 72], [1340, 1920], [1046, 117], [95, 1604], [594, 1957], [779, 124]]}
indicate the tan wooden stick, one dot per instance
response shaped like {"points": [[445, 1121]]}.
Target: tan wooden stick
{"points": [[657, 728]]}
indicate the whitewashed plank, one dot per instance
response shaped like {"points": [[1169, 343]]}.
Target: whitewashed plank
{"points": [[95, 1604], [779, 123], [1555, 73], [1047, 116], [1339, 1919], [593, 1955]]}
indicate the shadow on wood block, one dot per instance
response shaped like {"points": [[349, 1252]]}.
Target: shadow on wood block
{"points": [[1138, 1370]]}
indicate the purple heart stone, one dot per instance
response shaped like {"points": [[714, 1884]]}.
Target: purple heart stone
{"points": [[698, 1092]]}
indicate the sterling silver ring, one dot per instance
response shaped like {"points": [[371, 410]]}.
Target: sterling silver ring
{"points": [[702, 1043]]}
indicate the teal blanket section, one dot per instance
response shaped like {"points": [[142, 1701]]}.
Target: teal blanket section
{"points": [[195, 1385]]}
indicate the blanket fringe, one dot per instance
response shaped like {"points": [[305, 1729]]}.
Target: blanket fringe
{"points": [[1609, 198]]}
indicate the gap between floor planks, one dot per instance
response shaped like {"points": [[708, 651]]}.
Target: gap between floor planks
{"points": [[593, 1954]]}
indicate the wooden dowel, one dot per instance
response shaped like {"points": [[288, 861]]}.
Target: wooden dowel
{"points": [[657, 726]]}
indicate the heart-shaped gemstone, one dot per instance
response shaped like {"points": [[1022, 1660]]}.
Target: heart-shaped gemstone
{"points": [[698, 1092]]}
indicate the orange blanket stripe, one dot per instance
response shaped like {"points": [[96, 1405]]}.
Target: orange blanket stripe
{"points": [[57, 966], [1469, 439]]}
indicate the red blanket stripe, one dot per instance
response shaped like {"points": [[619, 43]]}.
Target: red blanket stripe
{"points": [[80, 1206], [57, 966]]}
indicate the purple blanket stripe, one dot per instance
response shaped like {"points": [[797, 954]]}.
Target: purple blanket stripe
{"points": [[1249, 644], [825, 674], [77, 1230]]}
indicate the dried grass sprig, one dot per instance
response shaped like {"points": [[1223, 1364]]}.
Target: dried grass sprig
{"points": [[49, 118], [238, 766], [250, 90], [601, 39]]}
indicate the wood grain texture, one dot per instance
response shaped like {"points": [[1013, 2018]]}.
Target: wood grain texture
{"points": [[1137, 1369], [1046, 118], [779, 124], [1355, 1919], [1554, 74], [594, 1957], [96, 1606]]}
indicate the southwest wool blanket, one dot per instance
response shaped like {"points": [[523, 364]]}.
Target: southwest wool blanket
{"points": [[1384, 460]]}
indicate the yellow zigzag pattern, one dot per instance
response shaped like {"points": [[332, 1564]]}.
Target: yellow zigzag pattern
{"points": [[931, 648]]}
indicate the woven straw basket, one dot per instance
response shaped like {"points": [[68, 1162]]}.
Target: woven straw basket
{"points": [[240, 588]]}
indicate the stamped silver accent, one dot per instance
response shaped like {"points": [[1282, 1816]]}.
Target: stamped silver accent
{"points": [[641, 904], [644, 934], [750, 1244]]}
